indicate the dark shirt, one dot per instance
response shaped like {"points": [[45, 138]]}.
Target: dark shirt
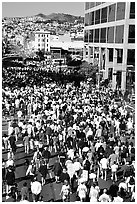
{"points": [[12, 140], [64, 176], [113, 190], [43, 170], [10, 177], [46, 154], [57, 168]]}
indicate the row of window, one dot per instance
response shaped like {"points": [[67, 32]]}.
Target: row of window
{"points": [[106, 35], [130, 55], [89, 5], [42, 35], [109, 14], [42, 45], [43, 40]]}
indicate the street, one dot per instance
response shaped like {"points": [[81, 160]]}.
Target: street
{"points": [[51, 190]]}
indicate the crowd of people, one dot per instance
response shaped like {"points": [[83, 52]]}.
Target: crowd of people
{"points": [[92, 136]]}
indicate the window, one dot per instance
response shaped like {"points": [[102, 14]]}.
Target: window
{"points": [[131, 34], [97, 16], [111, 55], [110, 72], [103, 35], [111, 13], [87, 5], [91, 4], [110, 35], [120, 10], [86, 36], [104, 15], [38, 45], [118, 79], [43, 40], [47, 36], [131, 57], [47, 40], [132, 10], [91, 35], [92, 23], [98, 3], [38, 35], [119, 55], [119, 34], [91, 18], [96, 39], [86, 19], [38, 40], [41, 35]]}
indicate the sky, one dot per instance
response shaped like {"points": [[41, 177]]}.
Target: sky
{"points": [[20, 9]]}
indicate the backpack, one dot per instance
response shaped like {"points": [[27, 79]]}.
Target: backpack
{"points": [[132, 180]]}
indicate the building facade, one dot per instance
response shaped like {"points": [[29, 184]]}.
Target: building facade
{"points": [[109, 41], [42, 40]]}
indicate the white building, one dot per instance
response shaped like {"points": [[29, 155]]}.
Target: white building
{"points": [[42, 40], [109, 40]]}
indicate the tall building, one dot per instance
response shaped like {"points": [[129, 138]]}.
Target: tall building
{"points": [[42, 40], [109, 41]]}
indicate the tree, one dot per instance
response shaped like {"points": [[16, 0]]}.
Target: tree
{"points": [[40, 55]]}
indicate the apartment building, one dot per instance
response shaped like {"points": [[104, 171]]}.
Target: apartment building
{"points": [[109, 41], [42, 40]]}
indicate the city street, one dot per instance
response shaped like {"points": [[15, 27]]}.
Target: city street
{"points": [[51, 190]]}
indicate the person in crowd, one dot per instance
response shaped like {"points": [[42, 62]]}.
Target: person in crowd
{"points": [[36, 189], [104, 167], [118, 198], [57, 168], [93, 193], [10, 178], [65, 191], [64, 175], [104, 197], [43, 170], [82, 190], [114, 169], [24, 192], [46, 155], [26, 140]]}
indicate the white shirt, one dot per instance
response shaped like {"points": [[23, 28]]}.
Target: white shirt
{"points": [[93, 194], [123, 185], [9, 163], [36, 187], [82, 190], [114, 167], [65, 190], [104, 163], [104, 198], [118, 199]]}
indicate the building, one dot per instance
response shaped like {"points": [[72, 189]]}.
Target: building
{"points": [[109, 41], [42, 40], [65, 42]]}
